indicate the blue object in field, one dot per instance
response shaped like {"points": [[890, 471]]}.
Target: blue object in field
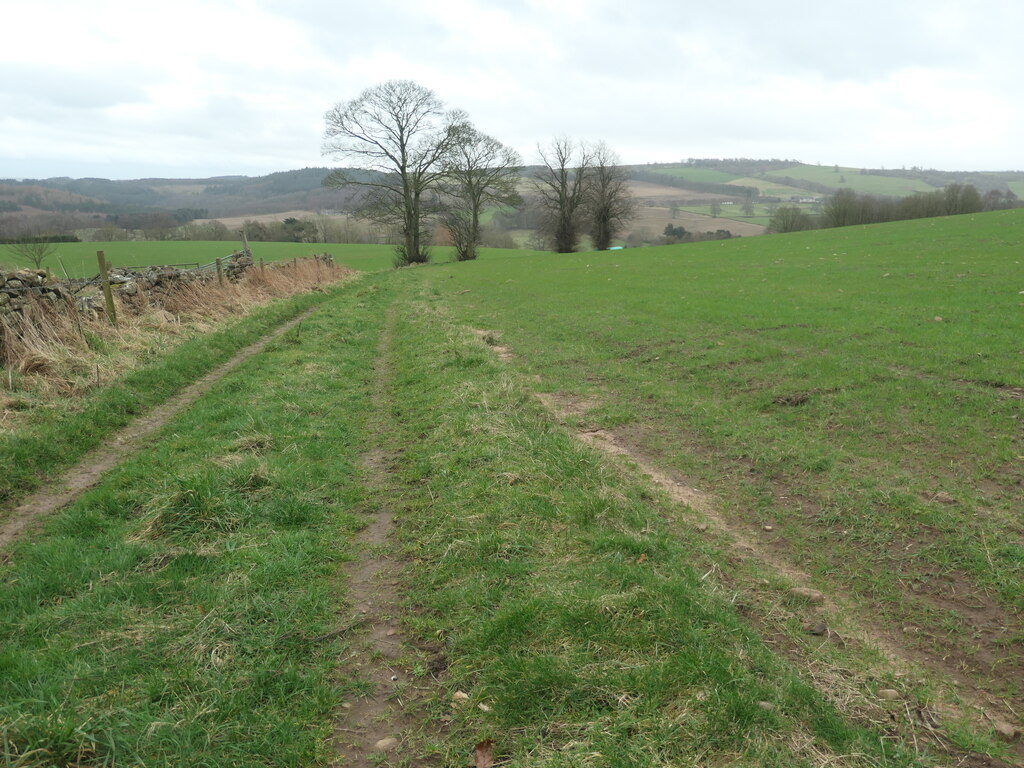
{"points": [[615, 248]]}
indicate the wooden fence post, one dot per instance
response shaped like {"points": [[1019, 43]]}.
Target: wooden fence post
{"points": [[263, 267], [108, 294], [220, 273]]}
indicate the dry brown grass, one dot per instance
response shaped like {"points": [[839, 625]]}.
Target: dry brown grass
{"points": [[51, 351]]}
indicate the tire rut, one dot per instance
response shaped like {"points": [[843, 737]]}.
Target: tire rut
{"points": [[75, 481], [740, 544], [372, 729]]}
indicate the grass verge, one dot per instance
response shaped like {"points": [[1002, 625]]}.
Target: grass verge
{"points": [[181, 613], [53, 438]]}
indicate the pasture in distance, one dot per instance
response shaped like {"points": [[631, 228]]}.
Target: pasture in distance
{"points": [[80, 258]]}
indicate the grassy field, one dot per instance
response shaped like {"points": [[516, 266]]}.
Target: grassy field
{"points": [[762, 213], [80, 258], [697, 174], [170, 616], [772, 188], [858, 391], [182, 612], [852, 399], [867, 184]]}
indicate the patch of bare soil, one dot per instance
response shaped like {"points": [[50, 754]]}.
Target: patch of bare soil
{"points": [[374, 729], [109, 454], [370, 727], [493, 340], [822, 611]]}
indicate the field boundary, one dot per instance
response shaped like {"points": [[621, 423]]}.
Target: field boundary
{"points": [[114, 449]]}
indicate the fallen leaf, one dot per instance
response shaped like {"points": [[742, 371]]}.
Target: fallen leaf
{"points": [[642, 558], [483, 753]]}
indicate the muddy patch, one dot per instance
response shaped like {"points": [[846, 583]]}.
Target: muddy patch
{"points": [[493, 340], [370, 727]]}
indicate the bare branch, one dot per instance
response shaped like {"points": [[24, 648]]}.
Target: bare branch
{"points": [[402, 132]]}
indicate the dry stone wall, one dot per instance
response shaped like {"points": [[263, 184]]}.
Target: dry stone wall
{"points": [[154, 283], [19, 287]]}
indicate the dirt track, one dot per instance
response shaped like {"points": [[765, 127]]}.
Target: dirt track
{"points": [[88, 471]]}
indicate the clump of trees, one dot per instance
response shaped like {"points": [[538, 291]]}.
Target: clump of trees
{"points": [[481, 172], [847, 208], [610, 205], [402, 133], [673, 234], [415, 161], [581, 188], [790, 218]]}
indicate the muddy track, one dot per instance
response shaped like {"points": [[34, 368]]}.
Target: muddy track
{"points": [[71, 484], [740, 544], [374, 728]]}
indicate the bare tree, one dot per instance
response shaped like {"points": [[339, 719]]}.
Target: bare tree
{"points": [[480, 172], [30, 242], [610, 203], [33, 250], [748, 204], [401, 135], [789, 218], [561, 187]]}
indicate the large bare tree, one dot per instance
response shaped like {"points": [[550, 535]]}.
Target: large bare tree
{"points": [[480, 172], [561, 187], [610, 203], [399, 135]]}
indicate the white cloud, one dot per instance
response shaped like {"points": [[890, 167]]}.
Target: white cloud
{"points": [[119, 88]]}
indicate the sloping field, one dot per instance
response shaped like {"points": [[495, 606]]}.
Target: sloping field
{"points": [[654, 219], [771, 188], [864, 183], [697, 174], [752, 502], [645, 190]]}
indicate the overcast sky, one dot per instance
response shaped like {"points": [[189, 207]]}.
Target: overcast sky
{"points": [[198, 88]]}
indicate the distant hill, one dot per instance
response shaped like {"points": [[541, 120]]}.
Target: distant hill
{"points": [[772, 177], [302, 190], [218, 196]]}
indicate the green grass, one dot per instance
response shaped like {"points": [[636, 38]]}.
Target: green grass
{"points": [[54, 438], [867, 184], [761, 215], [569, 603], [806, 379], [168, 617], [768, 188], [697, 174], [80, 258], [171, 615]]}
